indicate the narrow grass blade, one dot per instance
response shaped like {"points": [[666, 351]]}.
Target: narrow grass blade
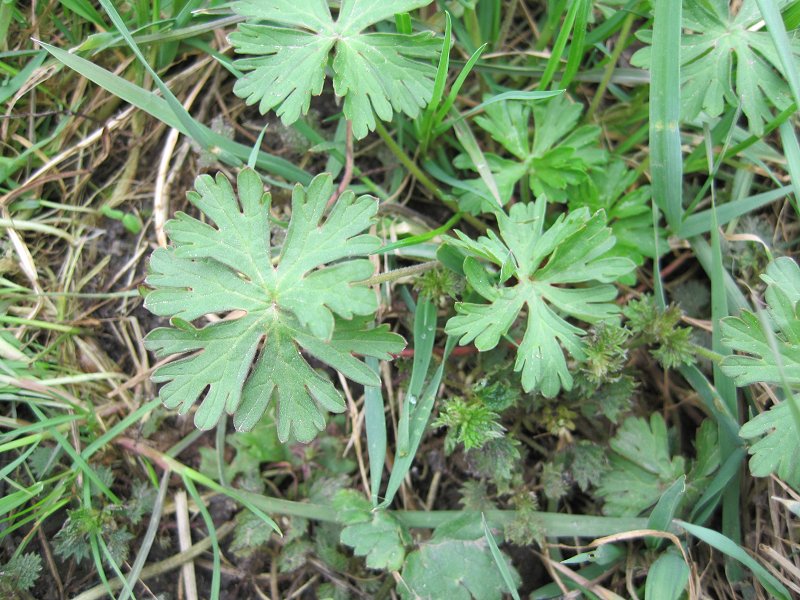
{"points": [[728, 442], [417, 425], [195, 132], [212, 534], [415, 240], [157, 107], [127, 590], [667, 578], [13, 85], [375, 423], [576, 48], [561, 42], [120, 427], [149, 536], [79, 462], [513, 95], [444, 109], [424, 337], [426, 122], [665, 139], [713, 491], [11, 501], [783, 45], [715, 539], [499, 560], [791, 149], [664, 511], [470, 144], [700, 223]]}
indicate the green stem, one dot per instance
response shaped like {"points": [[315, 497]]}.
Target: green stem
{"points": [[42, 324], [612, 63], [409, 164], [396, 274], [426, 181]]}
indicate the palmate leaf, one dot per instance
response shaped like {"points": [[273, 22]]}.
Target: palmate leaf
{"points": [[377, 535], [627, 206], [375, 73], [641, 467], [574, 250], [557, 157], [769, 347], [306, 302], [728, 61], [769, 350]]}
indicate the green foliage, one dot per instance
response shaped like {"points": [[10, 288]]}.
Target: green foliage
{"points": [[778, 444], [475, 496], [642, 467], [249, 535], [627, 206], [610, 400], [555, 159], [727, 60], [439, 284], [670, 344], [574, 250], [525, 527], [20, 574], [497, 460], [374, 534], [769, 344], [274, 311], [606, 353], [375, 73], [453, 564], [251, 450], [497, 393], [770, 349], [73, 540], [588, 463], [468, 422]]}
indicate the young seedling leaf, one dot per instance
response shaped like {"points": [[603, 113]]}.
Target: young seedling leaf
{"points": [[557, 157], [642, 468], [574, 250], [375, 73], [728, 60], [306, 302], [375, 534], [454, 565]]}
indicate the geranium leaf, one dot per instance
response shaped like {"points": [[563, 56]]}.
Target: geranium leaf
{"points": [[728, 60], [574, 250], [375, 73], [273, 310]]}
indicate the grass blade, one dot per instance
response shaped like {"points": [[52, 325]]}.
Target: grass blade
{"points": [[667, 578], [424, 337], [715, 539], [470, 144], [783, 46], [157, 107], [700, 223], [375, 423], [665, 98], [576, 48], [499, 560], [417, 424]]}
